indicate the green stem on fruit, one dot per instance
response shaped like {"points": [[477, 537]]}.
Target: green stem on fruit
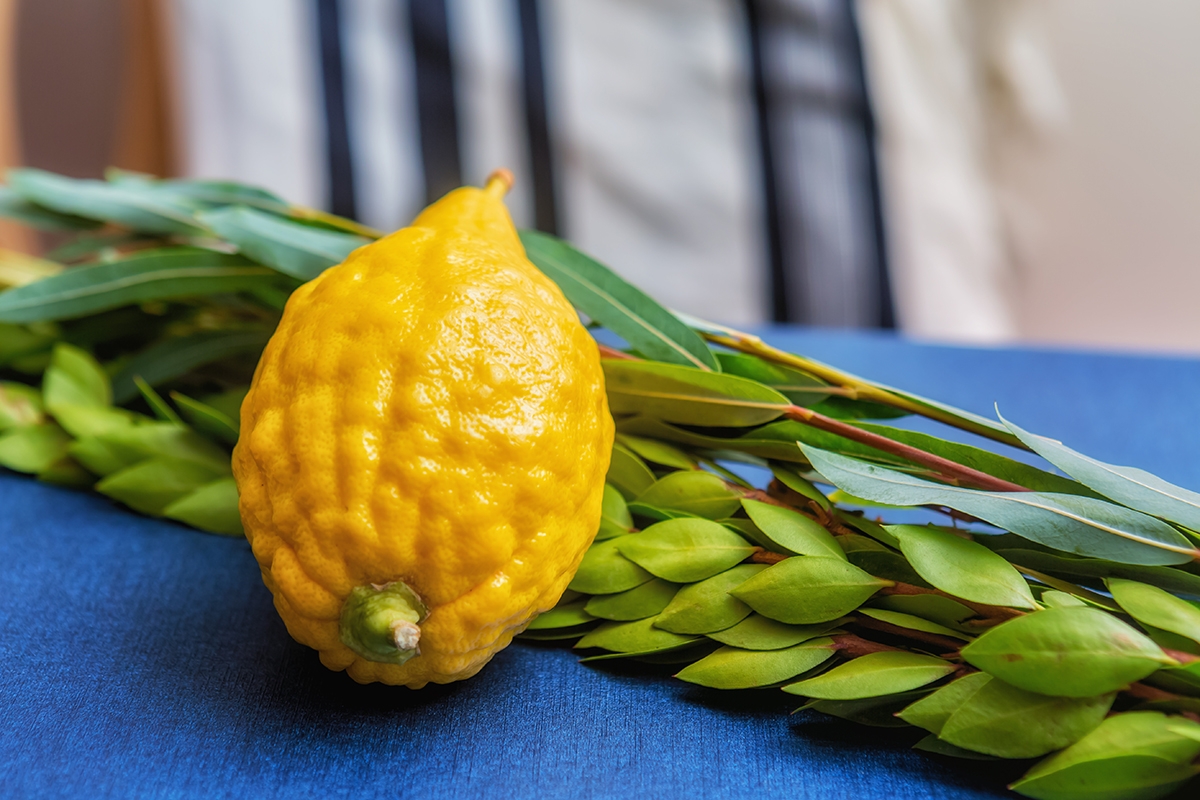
{"points": [[380, 622]]}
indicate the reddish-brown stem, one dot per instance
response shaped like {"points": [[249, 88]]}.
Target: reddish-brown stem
{"points": [[991, 612], [759, 495], [854, 646], [1182, 657], [950, 471], [941, 642], [609, 352], [766, 557], [1150, 693]]}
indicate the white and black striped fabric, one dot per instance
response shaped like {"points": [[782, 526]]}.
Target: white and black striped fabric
{"points": [[718, 152]]}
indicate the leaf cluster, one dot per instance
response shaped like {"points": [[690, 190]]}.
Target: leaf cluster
{"points": [[159, 289], [1046, 614]]}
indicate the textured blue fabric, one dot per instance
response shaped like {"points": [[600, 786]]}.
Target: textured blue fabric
{"points": [[142, 659]]}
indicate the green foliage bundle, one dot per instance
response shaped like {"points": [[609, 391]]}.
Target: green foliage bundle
{"points": [[1041, 616]]}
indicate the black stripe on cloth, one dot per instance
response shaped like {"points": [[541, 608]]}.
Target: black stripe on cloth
{"points": [[437, 109], [337, 130], [887, 304], [823, 176], [537, 117], [766, 157]]}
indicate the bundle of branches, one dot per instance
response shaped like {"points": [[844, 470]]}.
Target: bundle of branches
{"points": [[1036, 615]]}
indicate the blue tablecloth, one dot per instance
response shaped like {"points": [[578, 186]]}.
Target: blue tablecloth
{"points": [[143, 659]]}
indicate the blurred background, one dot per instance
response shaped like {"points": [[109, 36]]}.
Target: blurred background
{"points": [[982, 171]]}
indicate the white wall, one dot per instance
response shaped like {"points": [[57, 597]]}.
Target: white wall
{"points": [[1108, 212]]}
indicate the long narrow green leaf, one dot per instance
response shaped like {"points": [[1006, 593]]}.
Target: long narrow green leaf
{"points": [[749, 443], [983, 460], [15, 207], [175, 357], [1169, 578], [139, 278], [940, 411], [799, 387], [301, 251], [223, 193], [137, 205], [689, 396], [1069, 523], [212, 422], [1129, 486], [616, 304]]}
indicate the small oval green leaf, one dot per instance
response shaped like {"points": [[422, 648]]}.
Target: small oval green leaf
{"points": [[1152, 606], [694, 492], [628, 474], [20, 405], [134, 443], [153, 485], [757, 632], [640, 602], [1002, 720], [932, 711], [633, 637], [562, 616], [75, 378], [86, 421], [213, 508], [875, 711], [878, 712], [33, 448], [731, 668], [685, 550], [808, 589], [962, 568], [1067, 652], [707, 606], [792, 531], [605, 571], [1131, 755], [873, 675]]}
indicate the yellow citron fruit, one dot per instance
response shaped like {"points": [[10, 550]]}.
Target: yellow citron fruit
{"points": [[423, 448]]}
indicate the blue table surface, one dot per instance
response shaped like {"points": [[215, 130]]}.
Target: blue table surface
{"points": [[143, 659]]}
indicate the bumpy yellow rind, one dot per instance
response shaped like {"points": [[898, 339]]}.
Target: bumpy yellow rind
{"points": [[429, 411]]}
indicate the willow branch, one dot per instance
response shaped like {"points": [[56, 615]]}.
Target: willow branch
{"points": [[952, 471]]}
